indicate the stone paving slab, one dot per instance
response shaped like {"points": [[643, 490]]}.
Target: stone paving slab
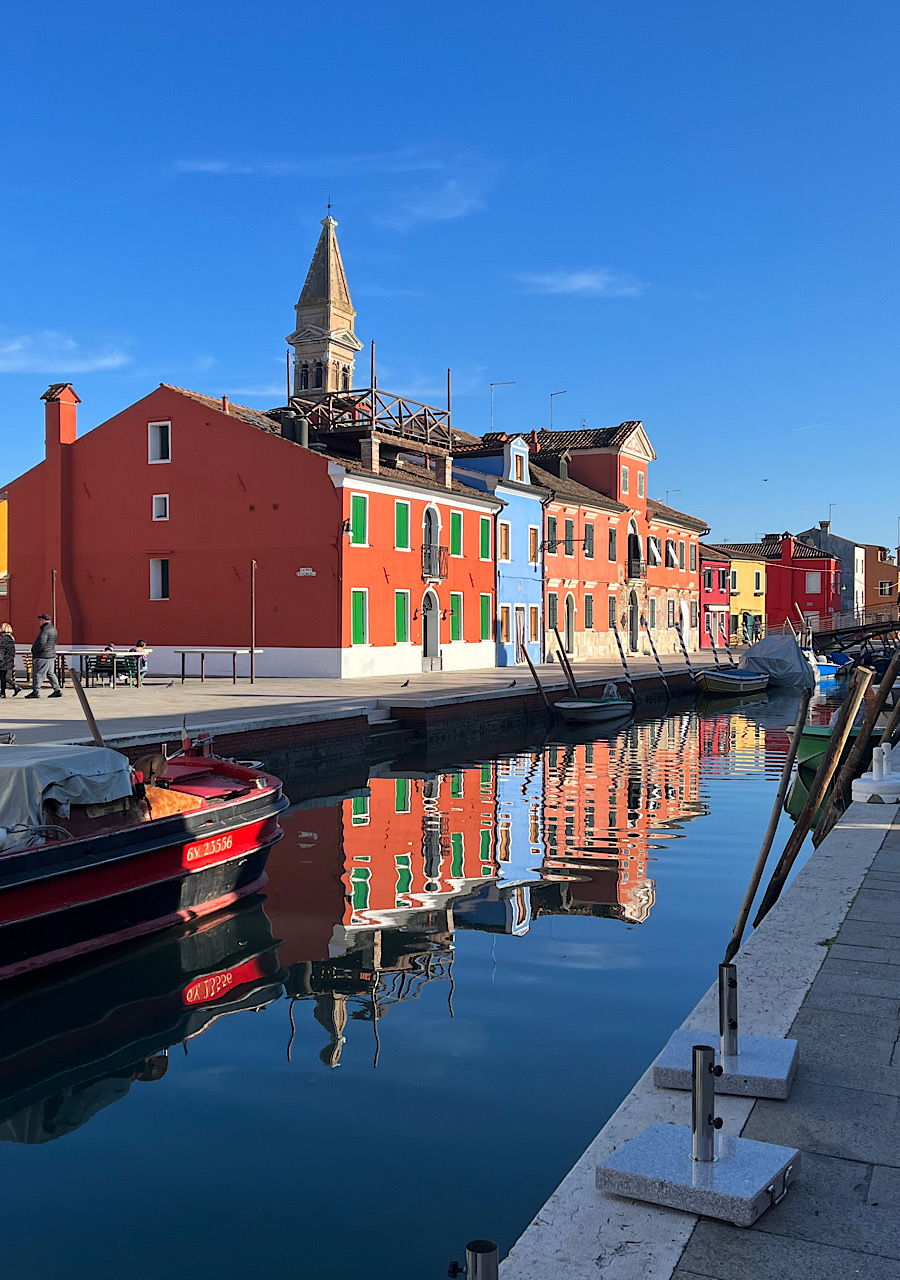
{"points": [[720, 1252], [826, 1120]]}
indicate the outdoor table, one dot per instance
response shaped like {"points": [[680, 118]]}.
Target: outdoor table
{"points": [[88, 651], [214, 649]]}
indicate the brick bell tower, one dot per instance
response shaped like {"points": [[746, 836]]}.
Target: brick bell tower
{"points": [[324, 343]]}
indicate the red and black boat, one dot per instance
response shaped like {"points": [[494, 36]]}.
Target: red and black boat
{"points": [[95, 852]]}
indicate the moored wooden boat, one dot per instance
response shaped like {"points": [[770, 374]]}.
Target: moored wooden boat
{"points": [[78, 872], [593, 710], [729, 683]]}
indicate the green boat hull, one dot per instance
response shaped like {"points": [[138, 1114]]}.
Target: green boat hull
{"points": [[814, 743]]}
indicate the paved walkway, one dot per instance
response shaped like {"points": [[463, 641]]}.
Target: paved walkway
{"points": [[162, 703], [842, 1217]]}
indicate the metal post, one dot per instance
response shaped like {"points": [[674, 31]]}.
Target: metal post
{"points": [[288, 375], [728, 1010], [703, 1103], [448, 393], [509, 384], [482, 1261], [53, 596], [252, 621]]}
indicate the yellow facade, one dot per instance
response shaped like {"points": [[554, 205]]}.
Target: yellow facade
{"points": [[748, 596]]}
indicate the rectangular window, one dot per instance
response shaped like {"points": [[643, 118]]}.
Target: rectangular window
{"points": [[457, 855], [693, 613], [456, 619], [640, 476], [534, 544], [504, 624], [552, 610], [671, 557], [757, 582], [404, 877], [359, 617], [612, 611], [484, 548], [519, 472], [653, 613], [359, 519], [813, 583], [485, 617], [654, 551], [624, 479], [707, 579], [456, 533], [681, 555], [401, 795], [359, 810], [885, 588], [160, 506], [570, 537], [359, 885], [612, 544], [485, 846], [734, 579], [456, 786], [159, 579], [401, 526], [503, 540], [589, 541], [588, 613], [723, 579], [534, 623], [401, 617], [733, 624], [707, 621], [670, 613], [159, 441], [551, 535], [693, 557]]}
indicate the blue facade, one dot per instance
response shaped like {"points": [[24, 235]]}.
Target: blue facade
{"points": [[518, 547]]}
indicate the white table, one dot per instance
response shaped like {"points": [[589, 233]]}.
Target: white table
{"points": [[214, 650]]}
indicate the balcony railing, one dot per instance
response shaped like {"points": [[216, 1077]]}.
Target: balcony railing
{"points": [[434, 563], [637, 568]]}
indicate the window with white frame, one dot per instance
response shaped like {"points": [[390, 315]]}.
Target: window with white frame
{"points": [[757, 582], [885, 588], [654, 551], [707, 579], [813, 582], [160, 506], [653, 613], [159, 579], [723, 579], [624, 479], [734, 579], [519, 467], [671, 554], [670, 613], [159, 441], [640, 480], [504, 533]]}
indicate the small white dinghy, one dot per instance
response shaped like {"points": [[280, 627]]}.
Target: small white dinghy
{"points": [[593, 710]]}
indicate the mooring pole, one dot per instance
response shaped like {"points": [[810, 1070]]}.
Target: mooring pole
{"points": [[712, 645], [252, 621], [625, 664], [687, 660], [53, 596], [703, 1103], [728, 1010], [662, 674], [728, 649]]}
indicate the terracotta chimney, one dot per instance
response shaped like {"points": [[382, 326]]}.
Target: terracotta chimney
{"points": [[448, 472], [370, 453], [224, 404]]}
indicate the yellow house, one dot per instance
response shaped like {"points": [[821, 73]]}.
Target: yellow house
{"points": [[748, 595], [4, 543]]}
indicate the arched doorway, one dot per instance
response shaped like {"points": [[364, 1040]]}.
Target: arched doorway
{"points": [[570, 624], [431, 537], [634, 622], [431, 631]]}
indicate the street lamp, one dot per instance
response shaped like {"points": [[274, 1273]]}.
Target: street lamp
{"points": [[552, 394], [668, 491], [497, 384]]}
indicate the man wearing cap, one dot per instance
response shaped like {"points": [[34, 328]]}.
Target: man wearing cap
{"points": [[43, 653]]}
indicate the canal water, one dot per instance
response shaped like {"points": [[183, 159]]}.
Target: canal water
{"points": [[457, 971]]}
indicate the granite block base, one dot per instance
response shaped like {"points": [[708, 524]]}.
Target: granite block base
{"points": [[744, 1180], [764, 1067]]}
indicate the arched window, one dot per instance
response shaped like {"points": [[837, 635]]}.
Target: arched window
{"points": [[304, 377], [345, 379], [318, 381]]}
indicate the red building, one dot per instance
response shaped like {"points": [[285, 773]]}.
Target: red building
{"points": [[803, 584], [715, 597]]}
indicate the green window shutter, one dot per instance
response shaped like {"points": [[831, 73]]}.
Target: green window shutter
{"points": [[455, 615], [456, 785], [401, 617], [457, 855], [359, 808], [401, 525], [401, 795], [485, 779], [485, 851], [359, 881], [404, 875], [485, 551], [552, 610], [485, 617], [358, 522], [358, 619], [456, 533]]}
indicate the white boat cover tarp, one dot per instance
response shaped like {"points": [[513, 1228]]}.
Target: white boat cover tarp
{"points": [[29, 775], [782, 660]]}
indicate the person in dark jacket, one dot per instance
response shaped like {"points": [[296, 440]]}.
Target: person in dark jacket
{"points": [[7, 660], [43, 653]]}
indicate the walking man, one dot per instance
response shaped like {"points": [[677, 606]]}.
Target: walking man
{"points": [[43, 653]]}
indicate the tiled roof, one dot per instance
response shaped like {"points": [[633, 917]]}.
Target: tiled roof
{"points": [[572, 489], [557, 442], [411, 475], [733, 552], [659, 511], [771, 550], [252, 416], [712, 553]]}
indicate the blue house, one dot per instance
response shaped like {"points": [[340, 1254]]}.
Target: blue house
{"points": [[500, 466]]}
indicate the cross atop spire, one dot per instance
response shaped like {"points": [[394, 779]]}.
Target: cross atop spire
{"points": [[324, 342]]}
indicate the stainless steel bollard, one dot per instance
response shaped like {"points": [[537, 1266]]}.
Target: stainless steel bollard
{"points": [[728, 1010], [482, 1262], [703, 1103]]}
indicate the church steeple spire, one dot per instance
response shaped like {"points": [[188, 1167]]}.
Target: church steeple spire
{"points": [[324, 342]]}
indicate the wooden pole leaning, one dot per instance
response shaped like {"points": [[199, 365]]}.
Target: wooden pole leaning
{"points": [[540, 688], [566, 665], [662, 674], [768, 839], [833, 752], [848, 769], [624, 664], [687, 660], [86, 708]]}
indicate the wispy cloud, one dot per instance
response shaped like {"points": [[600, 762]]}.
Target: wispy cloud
{"points": [[451, 200], [407, 160], [47, 351], [601, 283]]}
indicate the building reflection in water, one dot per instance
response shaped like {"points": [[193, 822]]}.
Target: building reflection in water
{"points": [[366, 893]]}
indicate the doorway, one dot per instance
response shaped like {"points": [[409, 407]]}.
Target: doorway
{"points": [[520, 633], [570, 624], [431, 632], [634, 622]]}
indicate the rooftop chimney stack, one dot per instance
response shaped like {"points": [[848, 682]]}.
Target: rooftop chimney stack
{"points": [[825, 526]]}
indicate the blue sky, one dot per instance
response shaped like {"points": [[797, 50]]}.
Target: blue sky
{"points": [[685, 213]]}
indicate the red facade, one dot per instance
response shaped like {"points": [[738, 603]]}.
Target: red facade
{"points": [[803, 584], [715, 598]]}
